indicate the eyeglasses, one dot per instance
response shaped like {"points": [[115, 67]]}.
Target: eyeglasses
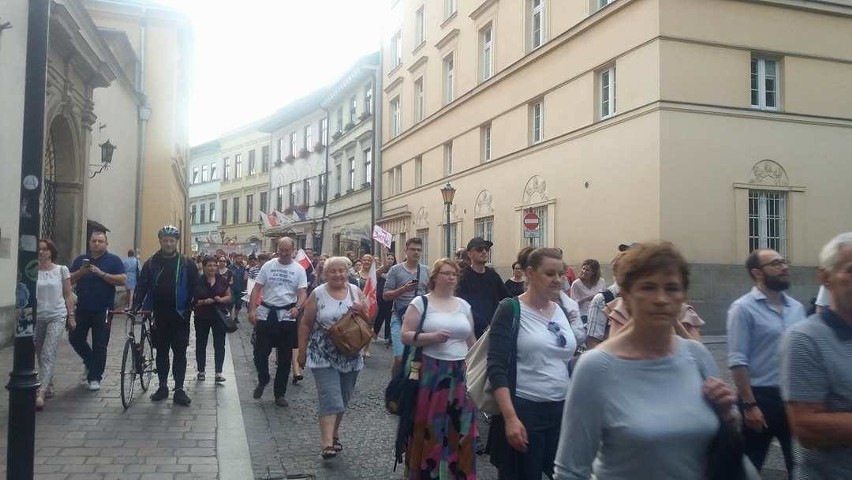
{"points": [[554, 328], [778, 262]]}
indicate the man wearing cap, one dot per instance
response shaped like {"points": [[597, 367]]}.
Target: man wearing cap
{"points": [[481, 286]]}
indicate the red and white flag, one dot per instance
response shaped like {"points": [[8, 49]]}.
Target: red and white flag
{"points": [[370, 289], [303, 260]]}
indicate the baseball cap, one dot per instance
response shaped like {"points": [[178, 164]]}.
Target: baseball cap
{"points": [[623, 247], [478, 242]]}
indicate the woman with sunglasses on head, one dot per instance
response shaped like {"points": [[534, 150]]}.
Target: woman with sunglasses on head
{"points": [[528, 369]]}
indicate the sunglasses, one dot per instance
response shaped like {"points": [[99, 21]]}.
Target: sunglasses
{"points": [[482, 249], [554, 328]]}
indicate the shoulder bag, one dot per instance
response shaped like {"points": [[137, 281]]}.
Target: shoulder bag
{"points": [[351, 333], [226, 319], [476, 372]]}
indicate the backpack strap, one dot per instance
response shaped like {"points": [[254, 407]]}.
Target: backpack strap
{"points": [[608, 295], [513, 357]]}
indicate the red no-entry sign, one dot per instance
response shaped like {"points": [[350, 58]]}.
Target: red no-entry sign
{"points": [[531, 221]]}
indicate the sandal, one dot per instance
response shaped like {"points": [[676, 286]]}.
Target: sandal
{"points": [[337, 445], [328, 452]]}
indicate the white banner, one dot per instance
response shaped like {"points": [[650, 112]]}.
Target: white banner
{"points": [[382, 236]]}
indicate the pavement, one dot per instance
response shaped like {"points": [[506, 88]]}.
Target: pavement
{"points": [[225, 434]]}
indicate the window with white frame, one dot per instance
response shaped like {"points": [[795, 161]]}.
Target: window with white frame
{"points": [[419, 100], [450, 8], [205, 173], [224, 212], [392, 181], [536, 23], [368, 165], [448, 159], [308, 138], [419, 26], [602, 3], [338, 174], [485, 133], [281, 149], [536, 122], [396, 49], [192, 215], [264, 159], [767, 220], [202, 215], [395, 115], [541, 239], [213, 172], [351, 174], [486, 53], [250, 207], [484, 227], [606, 84], [764, 83], [293, 143], [279, 198], [306, 191], [226, 171], [196, 175], [252, 162], [449, 78], [294, 195], [236, 210], [418, 171], [423, 234], [264, 205], [322, 182], [398, 179], [238, 166], [324, 131], [212, 218], [353, 109], [368, 99]]}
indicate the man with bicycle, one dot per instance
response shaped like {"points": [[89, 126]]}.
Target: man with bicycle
{"points": [[165, 288]]}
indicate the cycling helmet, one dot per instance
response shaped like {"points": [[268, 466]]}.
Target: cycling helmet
{"points": [[169, 231]]}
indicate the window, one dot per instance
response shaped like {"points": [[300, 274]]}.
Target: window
{"points": [[236, 210], [536, 23], [202, 215], [450, 8], [418, 171], [368, 165], [238, 166], [353, 109], [395, 117], [340, 119], [250, 207], [196, 177], [484, 227], [603, 3], [279, 201], [338, 176], [541, 239], [213, 172], [396, 50], [368, 99], [324, 131], [486, 53], [264, 159], [419, 27], [252, 163], [767, 220], [293, 196], [392, 181], [449, 79], [306, 191], [322, 185], [764, 83], [226, 173], [485, 132], [351, 174], [224, 212], [448, 159], [398, 178], [293, 150], [264, 205], [308, 138], [192, 219], [424, 254], [419, 100], [281, 149], [607, 92], [536, 122], [205, 173], [212, 217]]}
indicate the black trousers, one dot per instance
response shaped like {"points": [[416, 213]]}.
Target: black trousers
{"points": [[542, 421], [94, 356], [203, 326], [283, 337], [757, 443], [170, 332]]}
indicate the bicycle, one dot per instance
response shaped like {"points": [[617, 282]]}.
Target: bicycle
{"points": [[138, 356]]}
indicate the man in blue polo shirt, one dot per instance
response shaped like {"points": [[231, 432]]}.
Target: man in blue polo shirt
{"points": [[95, 274]]}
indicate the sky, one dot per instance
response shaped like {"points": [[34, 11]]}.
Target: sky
{"points": [[253, 57]]}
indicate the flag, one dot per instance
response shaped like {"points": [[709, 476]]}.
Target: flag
{"points": [[269, 221], [283, 220], [303, 260], [370, 290]]}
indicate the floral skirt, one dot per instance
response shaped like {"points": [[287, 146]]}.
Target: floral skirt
{"points": [[442, 444]]}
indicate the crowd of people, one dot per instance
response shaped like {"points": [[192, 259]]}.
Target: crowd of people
{"points": [[591, 380]]}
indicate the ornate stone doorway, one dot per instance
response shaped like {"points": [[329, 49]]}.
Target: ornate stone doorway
{"points": [[62, 189]]}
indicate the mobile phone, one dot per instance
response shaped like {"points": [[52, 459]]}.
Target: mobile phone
{"points": [[87, 263]]}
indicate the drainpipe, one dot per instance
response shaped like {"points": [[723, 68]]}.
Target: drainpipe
{"points": [[376, 209], [144, 113], [325, 194]]}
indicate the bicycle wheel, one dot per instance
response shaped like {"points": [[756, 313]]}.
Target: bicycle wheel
{"points": [[146, 359], [128, 373]]}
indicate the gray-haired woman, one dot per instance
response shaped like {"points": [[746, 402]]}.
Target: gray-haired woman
{"points": [[335, 373]]}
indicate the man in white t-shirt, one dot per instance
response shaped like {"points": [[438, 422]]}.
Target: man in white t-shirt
{"points": [[282, 284]]}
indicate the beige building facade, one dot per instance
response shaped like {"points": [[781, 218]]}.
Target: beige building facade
{"points": [[720, 125]]}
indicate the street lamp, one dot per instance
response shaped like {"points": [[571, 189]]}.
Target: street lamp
{"points": [[448, 192], [107, 149]]}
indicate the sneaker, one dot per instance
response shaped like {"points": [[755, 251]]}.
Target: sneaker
{"points": [[181, 398], [220, 378], [84, 377], [282, 402], [94, 386], [200, 377], [162, 393], [258, 390]]}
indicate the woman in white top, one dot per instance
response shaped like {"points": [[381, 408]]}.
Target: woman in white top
{"points": [[55, 304], [590, 283], [441, 445]]}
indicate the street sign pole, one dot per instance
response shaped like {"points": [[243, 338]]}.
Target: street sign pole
{"points": [[23, 382]]}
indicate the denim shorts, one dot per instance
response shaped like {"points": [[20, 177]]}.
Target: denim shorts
{"points": [[333, 389], [396, 335]]}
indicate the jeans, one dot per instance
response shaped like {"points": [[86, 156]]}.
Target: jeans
{"points": [[396, 335], [203, 326], [757, 443], [170, 332], [281, 336], [94, 357]]}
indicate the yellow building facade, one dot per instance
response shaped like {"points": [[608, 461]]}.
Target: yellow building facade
{"points": [[720, 125]]}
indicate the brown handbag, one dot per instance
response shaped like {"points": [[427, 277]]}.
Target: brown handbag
{"points": [[351, 333]]}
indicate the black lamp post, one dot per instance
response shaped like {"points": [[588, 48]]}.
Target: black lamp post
{"points": [[448, 192], [107, 149]]}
